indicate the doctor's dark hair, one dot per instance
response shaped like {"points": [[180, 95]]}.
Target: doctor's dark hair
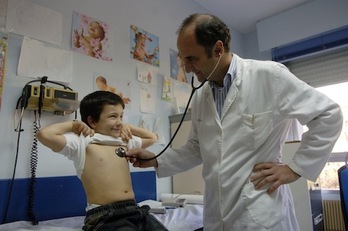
{"points": [[93, 104], [209, 29]]}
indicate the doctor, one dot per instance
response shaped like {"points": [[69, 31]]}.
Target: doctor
{"points": [[240, 120]]}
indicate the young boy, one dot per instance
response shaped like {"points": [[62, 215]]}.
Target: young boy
{"points": [[91, 144]]}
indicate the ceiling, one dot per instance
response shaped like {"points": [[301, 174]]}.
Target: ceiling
{"points": [[243, 15]]}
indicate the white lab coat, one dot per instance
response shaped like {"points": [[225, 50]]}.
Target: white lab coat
{"points": [[261, 102]]}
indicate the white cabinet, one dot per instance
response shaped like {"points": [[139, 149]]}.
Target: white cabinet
{"points": [[299, 191], [191, 181]]}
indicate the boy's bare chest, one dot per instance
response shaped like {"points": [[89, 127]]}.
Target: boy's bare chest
{"points": [[103, 154]]}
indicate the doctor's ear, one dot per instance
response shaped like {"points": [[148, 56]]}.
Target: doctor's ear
{"points": [[218, 50]]}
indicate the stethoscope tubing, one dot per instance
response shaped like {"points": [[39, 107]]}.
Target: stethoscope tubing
{"points": [[185, 112], [181, 121]]}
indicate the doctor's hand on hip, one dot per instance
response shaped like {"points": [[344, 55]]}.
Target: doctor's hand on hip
{"points": [[135, 157], [274, 174]]}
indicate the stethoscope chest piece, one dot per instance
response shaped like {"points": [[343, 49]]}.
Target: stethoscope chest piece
{"points": [[120, 152]]}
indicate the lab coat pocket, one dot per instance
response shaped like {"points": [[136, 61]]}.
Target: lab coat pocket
{"points": [[256, 128], [265, 209]]}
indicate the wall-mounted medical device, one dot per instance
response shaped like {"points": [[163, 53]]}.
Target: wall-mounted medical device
{"points": [[58, 101], [42, 97]]}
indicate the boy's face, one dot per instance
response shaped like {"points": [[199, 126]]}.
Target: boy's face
{"points": [[110, 121]]}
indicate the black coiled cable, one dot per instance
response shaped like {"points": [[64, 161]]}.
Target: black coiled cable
{"points": [[33, 166]]}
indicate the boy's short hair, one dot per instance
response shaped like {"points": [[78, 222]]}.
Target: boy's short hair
{"points": [[93, 104]]}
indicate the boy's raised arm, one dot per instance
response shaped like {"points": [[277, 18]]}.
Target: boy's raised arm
{"points": [[53, 137], [148, 138]]}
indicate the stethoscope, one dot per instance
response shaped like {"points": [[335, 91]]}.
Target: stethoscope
{"points": [[121, 152]]}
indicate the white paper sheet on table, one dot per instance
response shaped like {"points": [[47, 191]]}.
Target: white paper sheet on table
{"points": [[63, 224], [190, 199]]}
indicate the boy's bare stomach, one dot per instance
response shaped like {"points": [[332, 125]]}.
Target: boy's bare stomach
{"points": [[106, 176]]}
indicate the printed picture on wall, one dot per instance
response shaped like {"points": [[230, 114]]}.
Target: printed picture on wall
{"points": [[146, 122], [147, 98], [90, 37], [158, 130], [177, 68], [105, 82], [32, 20], [144, 46], [181, 92], [147, 74], [167, 89], [40, 59]]}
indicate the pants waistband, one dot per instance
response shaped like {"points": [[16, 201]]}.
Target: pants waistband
{"points": [[128, 204]]}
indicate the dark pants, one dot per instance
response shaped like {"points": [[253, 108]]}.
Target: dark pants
{"points": [[121, 216]]}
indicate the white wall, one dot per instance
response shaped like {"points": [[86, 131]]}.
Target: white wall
{"points": [[251, 48], [158, 17], [302, 22], [291, 26]]}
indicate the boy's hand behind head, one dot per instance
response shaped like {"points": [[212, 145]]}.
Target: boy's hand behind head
{"points": [[79, 127]]}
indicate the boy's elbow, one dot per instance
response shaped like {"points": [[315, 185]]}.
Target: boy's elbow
{"points": [[48, 141], [43, 136], [40, 136]]}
